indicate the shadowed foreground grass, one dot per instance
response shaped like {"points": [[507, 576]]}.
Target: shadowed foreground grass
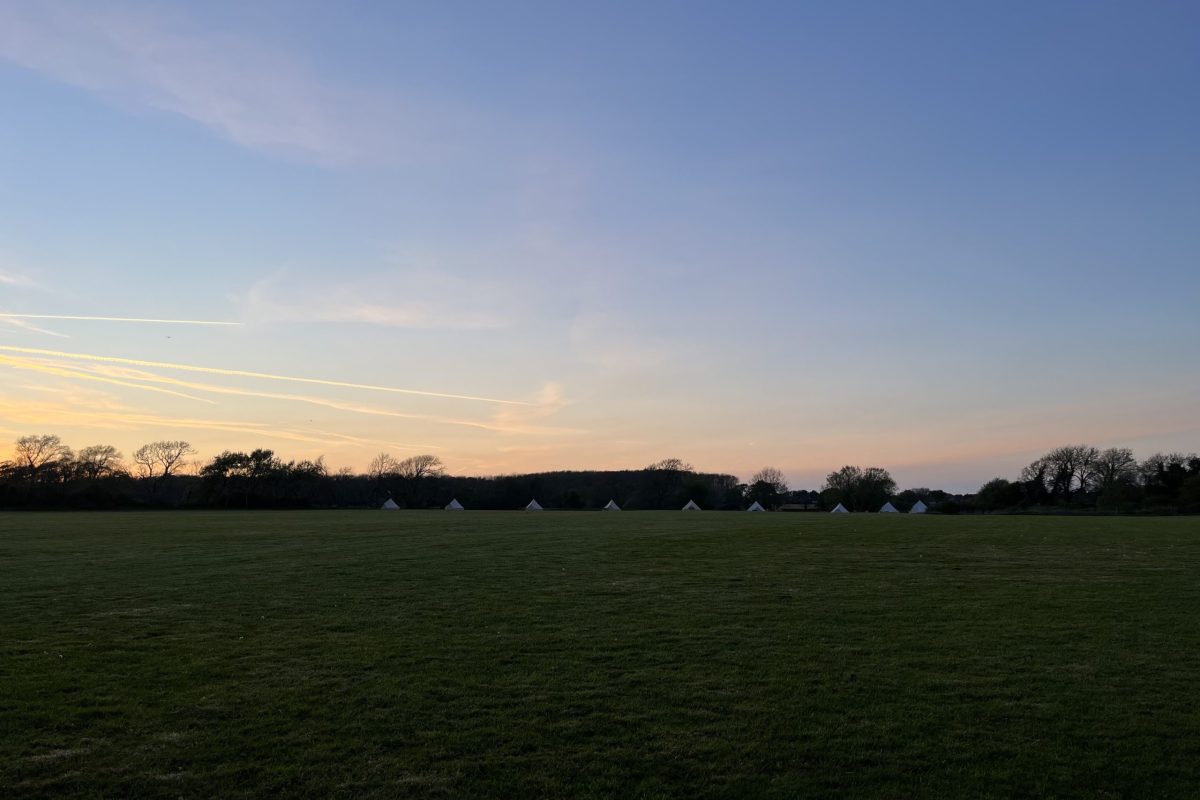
{"points": [[374, 654]]}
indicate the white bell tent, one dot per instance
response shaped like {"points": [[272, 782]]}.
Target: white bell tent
{"points": [[839, 509], [918, 508], [612, 506], [389, 505], [756, 506], [534, 505], [888, 508], [691, 506], [454, 505]]}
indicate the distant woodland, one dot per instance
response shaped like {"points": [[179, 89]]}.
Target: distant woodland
{"points": [[45, 473]]}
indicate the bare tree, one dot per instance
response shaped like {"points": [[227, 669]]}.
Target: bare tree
{"points": [[423, 466], [1115, 466], [37, 452], [1064, 471], [98, 461], [1085, 467], [383, 466], [159, 460], [671, 465], [1033, 477], [317, 468]]}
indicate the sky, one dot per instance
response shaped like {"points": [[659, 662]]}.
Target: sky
{"points": [[937, 237]]}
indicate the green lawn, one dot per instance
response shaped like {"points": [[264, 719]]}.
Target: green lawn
{"points": [[414, 654]]}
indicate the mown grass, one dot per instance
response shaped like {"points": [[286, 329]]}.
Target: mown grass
{"points": [[412, 654]]}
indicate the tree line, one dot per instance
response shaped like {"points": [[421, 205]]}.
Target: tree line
{"points": [[1081, 477], [1072, 478], [44, 472]]}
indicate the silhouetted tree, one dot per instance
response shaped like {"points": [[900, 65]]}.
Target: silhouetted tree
{"points": [[98, 461], [37, 455], [1163, 475], [999, 493], [858, 489], [158, 461], [418, 467], [671, 465], [1063, 472], [664, 483], [1116, 477], [383, 466], [1189, 491], [768, 487]]}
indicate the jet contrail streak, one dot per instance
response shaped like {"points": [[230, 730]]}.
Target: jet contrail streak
{"points": [[140, 375], [122, 420], [29, 326], [122, 319], [237, 373], [62, 372]]}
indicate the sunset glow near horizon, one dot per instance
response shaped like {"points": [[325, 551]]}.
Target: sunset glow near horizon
{"points": [[527, 236]]}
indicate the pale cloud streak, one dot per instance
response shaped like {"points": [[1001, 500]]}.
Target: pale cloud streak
{"points": [[50, 369], [412, 298], [12, 317], [12, 279], [246, 90], [74, 414], [508, 420], [29, 326], [133, 362]]}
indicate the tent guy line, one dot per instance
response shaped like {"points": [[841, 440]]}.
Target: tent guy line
{"points": [[237, 373]]}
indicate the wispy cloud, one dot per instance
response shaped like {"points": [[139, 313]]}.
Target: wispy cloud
{"points": [[420, 298], [29, 326], [246, 90], [613, 342], [551, 400], [50, 369], [13, 279], [518, 419], [72, 317], [133, 362], [71, 412]]}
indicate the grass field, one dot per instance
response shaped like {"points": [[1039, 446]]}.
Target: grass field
{"points": [[412, 654]]}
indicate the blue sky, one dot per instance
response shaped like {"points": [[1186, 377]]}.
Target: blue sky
{"points": [[937, 237]]}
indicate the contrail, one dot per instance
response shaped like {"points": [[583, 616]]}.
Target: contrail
{"points": [[118, 419], [498, 426], [122, 319], [237, 373], [29, 326], [62, 372]]}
